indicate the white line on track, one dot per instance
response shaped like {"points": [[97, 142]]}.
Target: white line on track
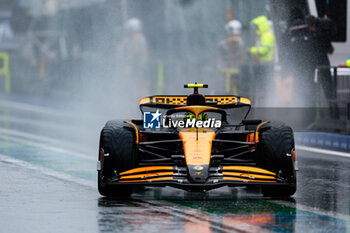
{"points": [[44, 110], [31, 137], [40, 123], [32, 108], [28, 142], [323, 151], [47, 171]]}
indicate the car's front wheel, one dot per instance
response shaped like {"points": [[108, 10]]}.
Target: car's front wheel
{"points": [[275, 153], [116, 154]]}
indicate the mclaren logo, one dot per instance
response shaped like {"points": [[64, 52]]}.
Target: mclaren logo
{"points": [[198, 168]]}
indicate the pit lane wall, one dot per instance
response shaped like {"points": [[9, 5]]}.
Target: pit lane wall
{"points": [[329, 141]]}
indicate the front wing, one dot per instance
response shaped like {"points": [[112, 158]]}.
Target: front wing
{"points": [[177, 177]]}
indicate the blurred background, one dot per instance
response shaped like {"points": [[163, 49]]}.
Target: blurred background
{"points": [[102, 56]]}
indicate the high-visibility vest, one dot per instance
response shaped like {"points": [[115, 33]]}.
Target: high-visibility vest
{"points": [[267, 40]]}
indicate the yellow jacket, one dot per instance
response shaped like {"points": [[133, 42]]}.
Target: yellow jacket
{"points": [[265, 50]]}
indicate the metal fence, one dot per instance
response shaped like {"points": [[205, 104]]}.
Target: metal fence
{"points": [[342, 78], [334, 94], [338, 85]]}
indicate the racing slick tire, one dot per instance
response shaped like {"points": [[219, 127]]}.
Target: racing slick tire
{"points": [[275, 153], [116, 154]]}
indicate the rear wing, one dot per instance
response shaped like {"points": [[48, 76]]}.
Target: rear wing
{"points": [[172, 101]]}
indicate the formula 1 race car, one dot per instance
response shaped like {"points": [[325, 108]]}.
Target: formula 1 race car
{"points": [[196, 143]]}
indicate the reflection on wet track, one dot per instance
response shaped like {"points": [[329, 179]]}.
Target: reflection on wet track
{"points": [[34, 199]]}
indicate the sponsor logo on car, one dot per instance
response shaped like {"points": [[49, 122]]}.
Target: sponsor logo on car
{"points": [[154, 120], [198, 168]]}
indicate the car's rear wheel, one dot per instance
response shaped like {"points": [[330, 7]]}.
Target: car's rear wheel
{"points": [[116, 154], [275, 153]]}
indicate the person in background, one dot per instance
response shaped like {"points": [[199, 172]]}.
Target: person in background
{"points": [[133, 57], [263, 56], [289, 79], [231, 56], [320, 47], [322, 41], [263, 51]]}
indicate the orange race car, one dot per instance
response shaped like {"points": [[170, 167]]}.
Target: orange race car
{"points": [[196, 142]]}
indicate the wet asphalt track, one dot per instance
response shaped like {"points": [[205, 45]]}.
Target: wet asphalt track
{"points": [[48, 184]]}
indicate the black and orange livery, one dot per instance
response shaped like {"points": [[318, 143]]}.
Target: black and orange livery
{"points": [[235, 154]]}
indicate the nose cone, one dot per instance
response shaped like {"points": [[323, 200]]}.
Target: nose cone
{"points": [[198, 174], [197, 144]]}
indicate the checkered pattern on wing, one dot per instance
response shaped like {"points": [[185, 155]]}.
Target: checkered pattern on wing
{"points": [[174, 100], [222, 100]]}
